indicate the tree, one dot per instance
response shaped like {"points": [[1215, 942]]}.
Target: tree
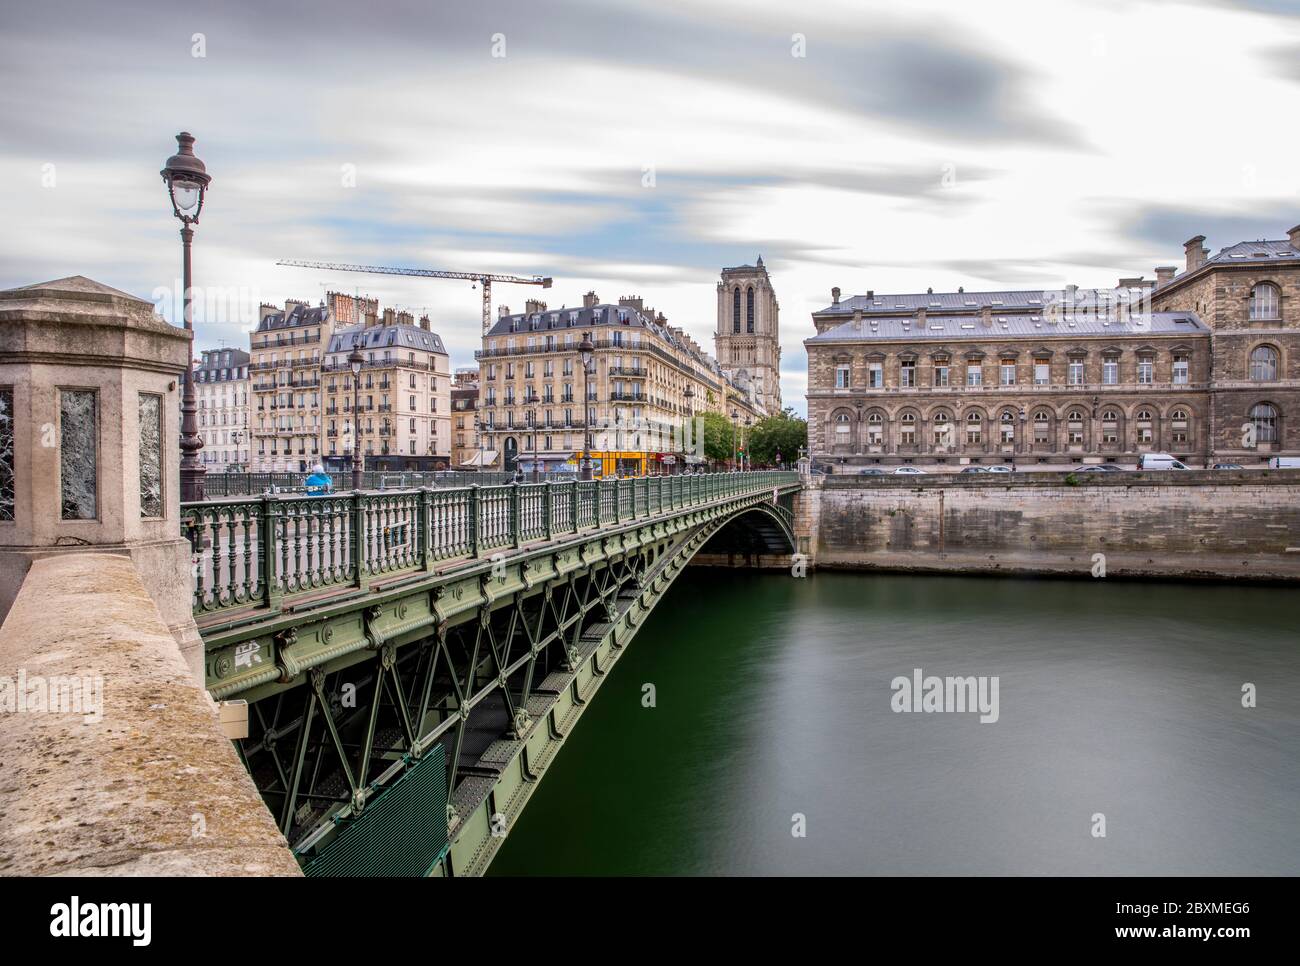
{"points": [[716, 430], [782, 433]]}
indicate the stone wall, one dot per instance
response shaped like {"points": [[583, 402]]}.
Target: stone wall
{"points": [[114, 759], [1215, 525]]}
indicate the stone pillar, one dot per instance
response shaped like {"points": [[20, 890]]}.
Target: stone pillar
{"points": [[89, 454]]}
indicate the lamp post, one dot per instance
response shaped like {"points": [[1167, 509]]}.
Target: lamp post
{"points": [[744, 442], [187, 185], [355, 361], [585, 351], [735, 419], [1024, 443], [532, 421], [478, 438], [689, 394]]}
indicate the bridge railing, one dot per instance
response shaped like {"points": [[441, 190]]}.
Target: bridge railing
{"points": [[254, 551]]}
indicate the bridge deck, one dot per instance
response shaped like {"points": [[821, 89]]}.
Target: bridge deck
{"points": [[279, 554]]}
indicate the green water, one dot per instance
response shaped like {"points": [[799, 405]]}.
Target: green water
{"points": [[773, 699]]}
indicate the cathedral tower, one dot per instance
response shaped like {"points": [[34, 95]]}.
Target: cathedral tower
{"points": [[748, 337]]}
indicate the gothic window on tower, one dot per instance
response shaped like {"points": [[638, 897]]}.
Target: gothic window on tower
{"points": [[735, 310], [749, 310]]}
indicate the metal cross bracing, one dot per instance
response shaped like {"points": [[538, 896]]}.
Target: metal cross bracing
{"points": [[479, 667]]}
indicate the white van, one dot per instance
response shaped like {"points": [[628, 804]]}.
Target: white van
{"points": [[1284, 463], [1160, 461]]}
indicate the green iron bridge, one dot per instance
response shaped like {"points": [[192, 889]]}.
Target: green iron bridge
{"points": [[414, 659]]}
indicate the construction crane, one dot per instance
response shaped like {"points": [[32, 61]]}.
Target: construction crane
{"points": [[485, 279]]}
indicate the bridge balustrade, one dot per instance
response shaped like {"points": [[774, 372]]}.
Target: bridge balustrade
{"points": [[254, 551]]}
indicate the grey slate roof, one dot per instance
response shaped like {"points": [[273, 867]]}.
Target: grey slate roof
{"points": [[1257, 251], [298, 316], [378, 337], [594, 317], [212, 359], [964, 327]]}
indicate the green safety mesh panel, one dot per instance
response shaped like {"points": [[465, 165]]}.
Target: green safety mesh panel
{"points": [[402, 832]]}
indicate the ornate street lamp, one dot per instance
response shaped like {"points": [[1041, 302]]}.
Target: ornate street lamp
{"points": [[690, 419], [585, 351], [187, 185], [735, 419], [744, 442], [355, 361]]}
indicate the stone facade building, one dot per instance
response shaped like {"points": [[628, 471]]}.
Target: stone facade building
{"points": [[1249, 296], [465, 439], [404, 394], [531, 374], [1197, 364], [221, 384], [285, 374], [748, 336]]}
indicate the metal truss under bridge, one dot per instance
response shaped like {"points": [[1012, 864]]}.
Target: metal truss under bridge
{"points": [[414, 659]]}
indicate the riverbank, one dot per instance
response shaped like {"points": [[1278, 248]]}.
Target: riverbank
{"points": [[1235, 526]]}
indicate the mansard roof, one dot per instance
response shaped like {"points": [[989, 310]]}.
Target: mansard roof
{"points": [[1036, 327]]}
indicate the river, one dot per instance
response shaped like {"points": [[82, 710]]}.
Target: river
{"points": [[773, 715]]}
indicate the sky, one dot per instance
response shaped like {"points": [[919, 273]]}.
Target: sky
{"points": [[637, 147]]}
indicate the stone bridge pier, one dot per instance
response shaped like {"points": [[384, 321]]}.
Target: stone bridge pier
{"points": [[116, 758]]}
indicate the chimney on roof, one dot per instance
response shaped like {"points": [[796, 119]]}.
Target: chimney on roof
{"points": [[390, 317], [534, 305], [835, 295], [871, 293], [264, 310], [290, 303], [1165, 274], [590, 300], [405, 318], [371, 319], [1196, 252], [503, 311], [986, 316], [630, 302], [425, 324], [930, 290], [960, 289], [1294, 235]]}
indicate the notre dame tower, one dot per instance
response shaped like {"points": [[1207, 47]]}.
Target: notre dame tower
{"points": [[748, 339]]}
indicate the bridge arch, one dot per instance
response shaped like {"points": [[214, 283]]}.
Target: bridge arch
{"points": [[438, 657]]}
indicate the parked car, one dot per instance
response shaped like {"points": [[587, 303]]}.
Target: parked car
{"points": [[1106, 467], [871, 471], [974, 469], [1284, 463], [1001, 469], [909, 471], [1227, 466], [1160, 461], [1090, 468]]}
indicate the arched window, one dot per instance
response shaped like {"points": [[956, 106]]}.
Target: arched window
{"points": [[907, 429], [1179, 428], [974, 428], [1110, 426], [943, 432], [735, 310], [1146, 433], [749, 309], [875, 429], [1074, 427], [1264, 301], [1264, 418], [1263, 363], [1007, 426]]}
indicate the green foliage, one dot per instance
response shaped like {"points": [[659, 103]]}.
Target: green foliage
{"points": [[717, 436], [783, 433]]}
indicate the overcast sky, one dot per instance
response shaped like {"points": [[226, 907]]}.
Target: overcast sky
{"points": [[638, 147]]}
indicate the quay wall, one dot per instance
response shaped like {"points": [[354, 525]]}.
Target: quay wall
{"points": [[1233, 525]]}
